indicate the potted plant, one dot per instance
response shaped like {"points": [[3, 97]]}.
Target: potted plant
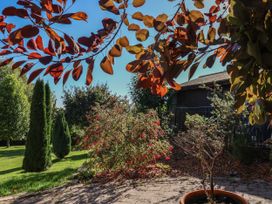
{"points": [[204, 141]]}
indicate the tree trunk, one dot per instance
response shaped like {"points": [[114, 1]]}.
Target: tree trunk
{"points": [[8, 143]]}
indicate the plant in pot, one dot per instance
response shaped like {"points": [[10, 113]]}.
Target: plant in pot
{"points": [[204, 141]]}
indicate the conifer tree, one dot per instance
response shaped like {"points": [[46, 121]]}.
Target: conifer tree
{"points": [[37, 154], [61, 137]]}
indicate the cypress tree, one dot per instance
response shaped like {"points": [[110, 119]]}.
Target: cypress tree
{"points": [[48, 110], [61, 137], [37, 157], [48, 103]]}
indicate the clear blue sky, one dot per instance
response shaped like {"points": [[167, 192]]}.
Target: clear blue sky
{"points": [[118, 83]]}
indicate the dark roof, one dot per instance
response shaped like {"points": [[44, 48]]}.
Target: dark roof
{"points": [[221, 78]]}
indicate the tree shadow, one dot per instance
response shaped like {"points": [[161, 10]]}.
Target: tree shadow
{"points": [[77, 157], [11, 152], [10, 170], [36, 181], [72, 158]]}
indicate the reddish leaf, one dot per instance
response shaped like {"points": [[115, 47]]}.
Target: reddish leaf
{"points": [[50, 49], [5, 62], [89, 76], [77, 72], [12, 11], [85, 41], [45, 60], [56, 79], [29, 31], [26, 68], [31, 44], [79, 16], [39, 42], [174, 85], [18, 64], [193, 70], [34, 55], [19, 50], [34, 75], [5, 52], [106, 65], [66, 76], [9, 27], [52, 34], [214, 9], [57, 8], [55, 70]]}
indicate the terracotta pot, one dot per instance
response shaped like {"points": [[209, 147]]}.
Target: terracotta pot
{"points": [[197, 193]]}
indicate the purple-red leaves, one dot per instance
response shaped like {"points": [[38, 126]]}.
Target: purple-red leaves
{"points": [[18, 64], [31, 44], [89, 76], [39, 42], [12, 11], [45, 60], [5, 62], [34, 75], [81, 16], [55, 70], [29, 31], [5, 52], [26, 68], [77, 71], [34, 55], [66, 76]]}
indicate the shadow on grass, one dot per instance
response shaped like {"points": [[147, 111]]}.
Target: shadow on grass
{"points": [[8, 152], [34, 181], [72, 158], [10, 170], [77, 157]]}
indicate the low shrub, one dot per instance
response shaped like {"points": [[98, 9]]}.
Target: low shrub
{"points": [[77, 134], [121, 141]]}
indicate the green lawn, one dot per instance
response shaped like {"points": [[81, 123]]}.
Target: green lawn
{"points": [[14, 180]]}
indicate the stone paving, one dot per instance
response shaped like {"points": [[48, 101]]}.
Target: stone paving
{"points": [[164, 191]]}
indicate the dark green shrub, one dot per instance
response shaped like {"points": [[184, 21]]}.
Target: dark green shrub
{"points": [[61, 137], [243, 150], [77, 133], [37, 153]]}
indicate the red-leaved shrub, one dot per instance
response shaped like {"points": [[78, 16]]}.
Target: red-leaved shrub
{"points": [[120, 140]]}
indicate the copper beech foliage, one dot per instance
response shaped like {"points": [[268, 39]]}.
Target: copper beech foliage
{"points": [[181, 43]]}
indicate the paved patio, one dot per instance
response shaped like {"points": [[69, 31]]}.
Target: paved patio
{"points": [[164, 190]]}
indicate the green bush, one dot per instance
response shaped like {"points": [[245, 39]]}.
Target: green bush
{"points": [[77, 133], [243, 150], [37, 153], [61, 137]]}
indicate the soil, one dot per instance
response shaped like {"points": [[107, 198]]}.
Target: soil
{"points": [[218, 200]]}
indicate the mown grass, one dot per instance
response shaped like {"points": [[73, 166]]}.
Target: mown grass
{"points": [[14, 180]]}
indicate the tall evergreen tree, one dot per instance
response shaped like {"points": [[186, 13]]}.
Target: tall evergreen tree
{"points": [[37, 156], [61, 137], [48, 102]]}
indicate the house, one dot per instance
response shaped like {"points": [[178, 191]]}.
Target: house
{"points": [[193, 98]]}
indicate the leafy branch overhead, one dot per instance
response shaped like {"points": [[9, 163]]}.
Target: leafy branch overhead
{"points": [[236, 32]]}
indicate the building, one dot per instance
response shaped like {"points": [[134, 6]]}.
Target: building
{"points": [[193, 98]]}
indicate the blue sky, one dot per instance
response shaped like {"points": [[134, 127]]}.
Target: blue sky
{"points": [[118, 82]]}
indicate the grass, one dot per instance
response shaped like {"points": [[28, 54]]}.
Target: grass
{"points": [[14, 180]]}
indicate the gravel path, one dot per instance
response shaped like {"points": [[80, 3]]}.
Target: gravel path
{"points": [[164, 190]]}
